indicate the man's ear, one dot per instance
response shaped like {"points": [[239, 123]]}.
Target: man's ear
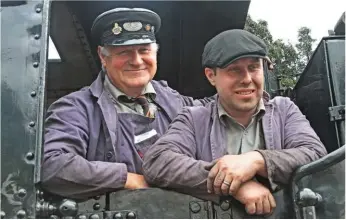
{"points": [[210, 74]]}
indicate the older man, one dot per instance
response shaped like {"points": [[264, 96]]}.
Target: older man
{"points": [[95, 138], [242, 135]]}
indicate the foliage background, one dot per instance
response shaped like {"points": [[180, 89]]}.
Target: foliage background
{"points": [[290, 60]]}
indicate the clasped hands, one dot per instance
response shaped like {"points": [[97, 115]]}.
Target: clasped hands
{"points": [[233, 175]]}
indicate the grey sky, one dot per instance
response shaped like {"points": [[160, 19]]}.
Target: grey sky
{"points": [[285, 17]]}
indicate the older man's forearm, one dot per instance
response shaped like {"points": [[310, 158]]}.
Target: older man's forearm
{"points": [[74, 177]]}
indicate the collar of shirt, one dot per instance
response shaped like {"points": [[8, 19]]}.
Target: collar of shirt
{"points": [[148, 91], [260, 110]]}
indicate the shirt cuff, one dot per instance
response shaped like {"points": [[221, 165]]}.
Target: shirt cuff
{"points": [[270, 170]]}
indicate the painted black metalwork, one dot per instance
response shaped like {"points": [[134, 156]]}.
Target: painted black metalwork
{"points": [[337, 113], [335, 54], [307, 200], [325, 181], [51, 205], [224, 210], [45, 209], [43, 38], [321, 87], [157, 203], [86, 46], [11, 3], [22, 64]]}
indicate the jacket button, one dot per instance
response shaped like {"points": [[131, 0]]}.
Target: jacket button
{"points": [[109, 155]]}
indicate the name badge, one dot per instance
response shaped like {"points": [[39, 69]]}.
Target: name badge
{"points": [[145, 136]]}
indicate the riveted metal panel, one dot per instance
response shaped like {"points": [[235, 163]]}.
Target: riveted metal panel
{"points": [[157, 203], [23, 61]]}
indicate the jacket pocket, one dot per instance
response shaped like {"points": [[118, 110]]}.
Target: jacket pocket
{"points": [[145, 140]]}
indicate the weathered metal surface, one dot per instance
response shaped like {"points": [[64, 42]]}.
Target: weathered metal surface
{"points": [[22, 82], [335, 51], [51, 205], [337, 113], [321, 86], [307, 200], [158, 203], [326, 179], [95, 205], [77, 62]]}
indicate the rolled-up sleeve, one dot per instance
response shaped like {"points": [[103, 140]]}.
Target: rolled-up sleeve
{"points": [[301, 146], [65, 169]]}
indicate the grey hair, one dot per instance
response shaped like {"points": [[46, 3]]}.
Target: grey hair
{"points": [[106, 53], [156, 47]]}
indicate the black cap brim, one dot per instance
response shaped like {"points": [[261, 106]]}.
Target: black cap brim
{"points": [[102, 34], [240, 57]]}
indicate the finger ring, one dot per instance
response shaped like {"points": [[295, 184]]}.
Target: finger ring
{"points": [[226, 183]]}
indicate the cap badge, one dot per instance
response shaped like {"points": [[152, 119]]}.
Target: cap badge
{"points": [[116, 29], [147, 27], [132, 26], [152, 29]]}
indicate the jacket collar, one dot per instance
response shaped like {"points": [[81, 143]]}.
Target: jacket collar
{"points": [[96, 88], [266, 98], [218, 131]]}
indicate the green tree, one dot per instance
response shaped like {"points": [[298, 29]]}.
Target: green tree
{"points": [[259, 29], [282, 54], [304, 47], [285, 58]]}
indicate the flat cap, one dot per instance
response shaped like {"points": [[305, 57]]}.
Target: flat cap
{"points": [[231, 45], [125, 26]]}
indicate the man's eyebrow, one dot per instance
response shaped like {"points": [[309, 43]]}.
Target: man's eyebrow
{"points": [[255, 59]]}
